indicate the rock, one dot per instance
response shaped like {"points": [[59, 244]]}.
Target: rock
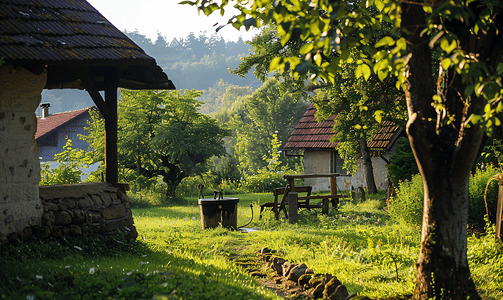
{"points": [[26, 233], [87, 202], [114, 212], [287, 267], [330, 287], [79, 216], [296, 272], [47, 218], [277, 264], [303, 281], [97, 201], [62, 218], [107, 199], [66, 204], [49, 206], [318, 290], [75, 230], [341, 293]]}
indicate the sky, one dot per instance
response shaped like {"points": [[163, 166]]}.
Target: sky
{"points": [[167, 17]]}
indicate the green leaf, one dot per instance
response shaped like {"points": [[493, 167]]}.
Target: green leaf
{"points": [[379, 4], [364, 70], [306, 48], [385, 41], [446, 63], [276, 64], [491, 90], [378, 114], [446, 46]]}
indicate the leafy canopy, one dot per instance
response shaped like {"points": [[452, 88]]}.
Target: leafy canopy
{"points": [[329, 30]]}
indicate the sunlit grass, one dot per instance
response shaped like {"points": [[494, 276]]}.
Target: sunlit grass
{"points": [[357, 243]]}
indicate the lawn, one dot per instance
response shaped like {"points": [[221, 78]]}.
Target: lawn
{"points": [[174, 258]]}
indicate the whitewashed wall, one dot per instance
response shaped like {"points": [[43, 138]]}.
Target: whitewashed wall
{"points": [[319, 162]]}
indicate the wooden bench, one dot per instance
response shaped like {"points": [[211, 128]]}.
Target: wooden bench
{"points": [[277, 207], [303, 202]]}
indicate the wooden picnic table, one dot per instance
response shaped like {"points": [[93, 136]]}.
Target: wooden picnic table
{"points": [[304, 201]]}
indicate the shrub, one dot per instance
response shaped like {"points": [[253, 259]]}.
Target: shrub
{"points": [[477, 206], [264, 182], [403, 164], [406, 208]]}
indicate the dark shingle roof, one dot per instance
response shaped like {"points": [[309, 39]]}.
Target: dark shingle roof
{"points": [[65, 35], [52, 122], [311, 135]]}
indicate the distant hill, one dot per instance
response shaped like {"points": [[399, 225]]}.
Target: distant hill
{"points": [[193, 62]]}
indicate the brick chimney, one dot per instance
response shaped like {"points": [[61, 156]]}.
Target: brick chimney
{"points": [[45, 109]]}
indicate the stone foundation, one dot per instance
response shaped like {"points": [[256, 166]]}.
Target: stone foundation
{"points": [[73, 210]]}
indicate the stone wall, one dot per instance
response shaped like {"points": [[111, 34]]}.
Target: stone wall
{"points": [[20, 94], [72, 210]]}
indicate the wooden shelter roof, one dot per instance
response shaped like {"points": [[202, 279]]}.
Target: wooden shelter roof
{"points": [[71, 39], [311, 135]]}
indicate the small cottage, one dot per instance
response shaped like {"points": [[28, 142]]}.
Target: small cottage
{"points": [[311, 140], [54, 129]]}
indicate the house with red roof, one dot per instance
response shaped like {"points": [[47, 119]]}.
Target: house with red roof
{"points": [[311, 140], [53, 131]]}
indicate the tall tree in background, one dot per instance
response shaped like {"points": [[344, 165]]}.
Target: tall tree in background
{"points": [[447, 110], [258, 117], [162, 134]]}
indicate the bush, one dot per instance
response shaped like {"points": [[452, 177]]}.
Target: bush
{"points": [[403, 164], [477, 206], [406, 208], [264, 182]]}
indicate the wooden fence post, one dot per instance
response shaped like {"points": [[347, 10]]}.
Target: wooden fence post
{"points": [[293, 202], [499, 211]]}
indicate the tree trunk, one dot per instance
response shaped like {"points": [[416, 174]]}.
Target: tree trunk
{"points": [[444, 155], [369, 170]]}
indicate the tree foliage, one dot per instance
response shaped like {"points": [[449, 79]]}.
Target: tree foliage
{"points": [[162, 134], [256, 119]]}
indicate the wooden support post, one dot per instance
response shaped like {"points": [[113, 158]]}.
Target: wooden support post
{"points": [[499, 211], [293, 202], [111, 161], [324, 209], [333, 191]]}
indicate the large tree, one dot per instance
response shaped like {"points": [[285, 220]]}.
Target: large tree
{"points": [[162, 134], [451, 99]]}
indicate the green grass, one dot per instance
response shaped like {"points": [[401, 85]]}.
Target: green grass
{"points": [[173, 257]]}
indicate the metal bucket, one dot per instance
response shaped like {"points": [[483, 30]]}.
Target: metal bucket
{"points": [[219, 211]]}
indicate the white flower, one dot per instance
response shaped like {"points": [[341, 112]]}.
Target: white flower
{"points": [[78, 248], [193, 218], [39, 276], [91, 270]]}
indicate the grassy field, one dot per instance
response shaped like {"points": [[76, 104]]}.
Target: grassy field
{"points": [[174, 258]]}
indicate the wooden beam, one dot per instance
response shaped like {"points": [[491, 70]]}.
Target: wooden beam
{"points": [[93, 91], [111, 161]]}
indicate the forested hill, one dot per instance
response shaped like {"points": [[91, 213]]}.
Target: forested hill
{"points": [[193, 62]]}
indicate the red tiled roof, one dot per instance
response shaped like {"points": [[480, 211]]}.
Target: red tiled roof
{"points": [[309, 134], [52, 122]]}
